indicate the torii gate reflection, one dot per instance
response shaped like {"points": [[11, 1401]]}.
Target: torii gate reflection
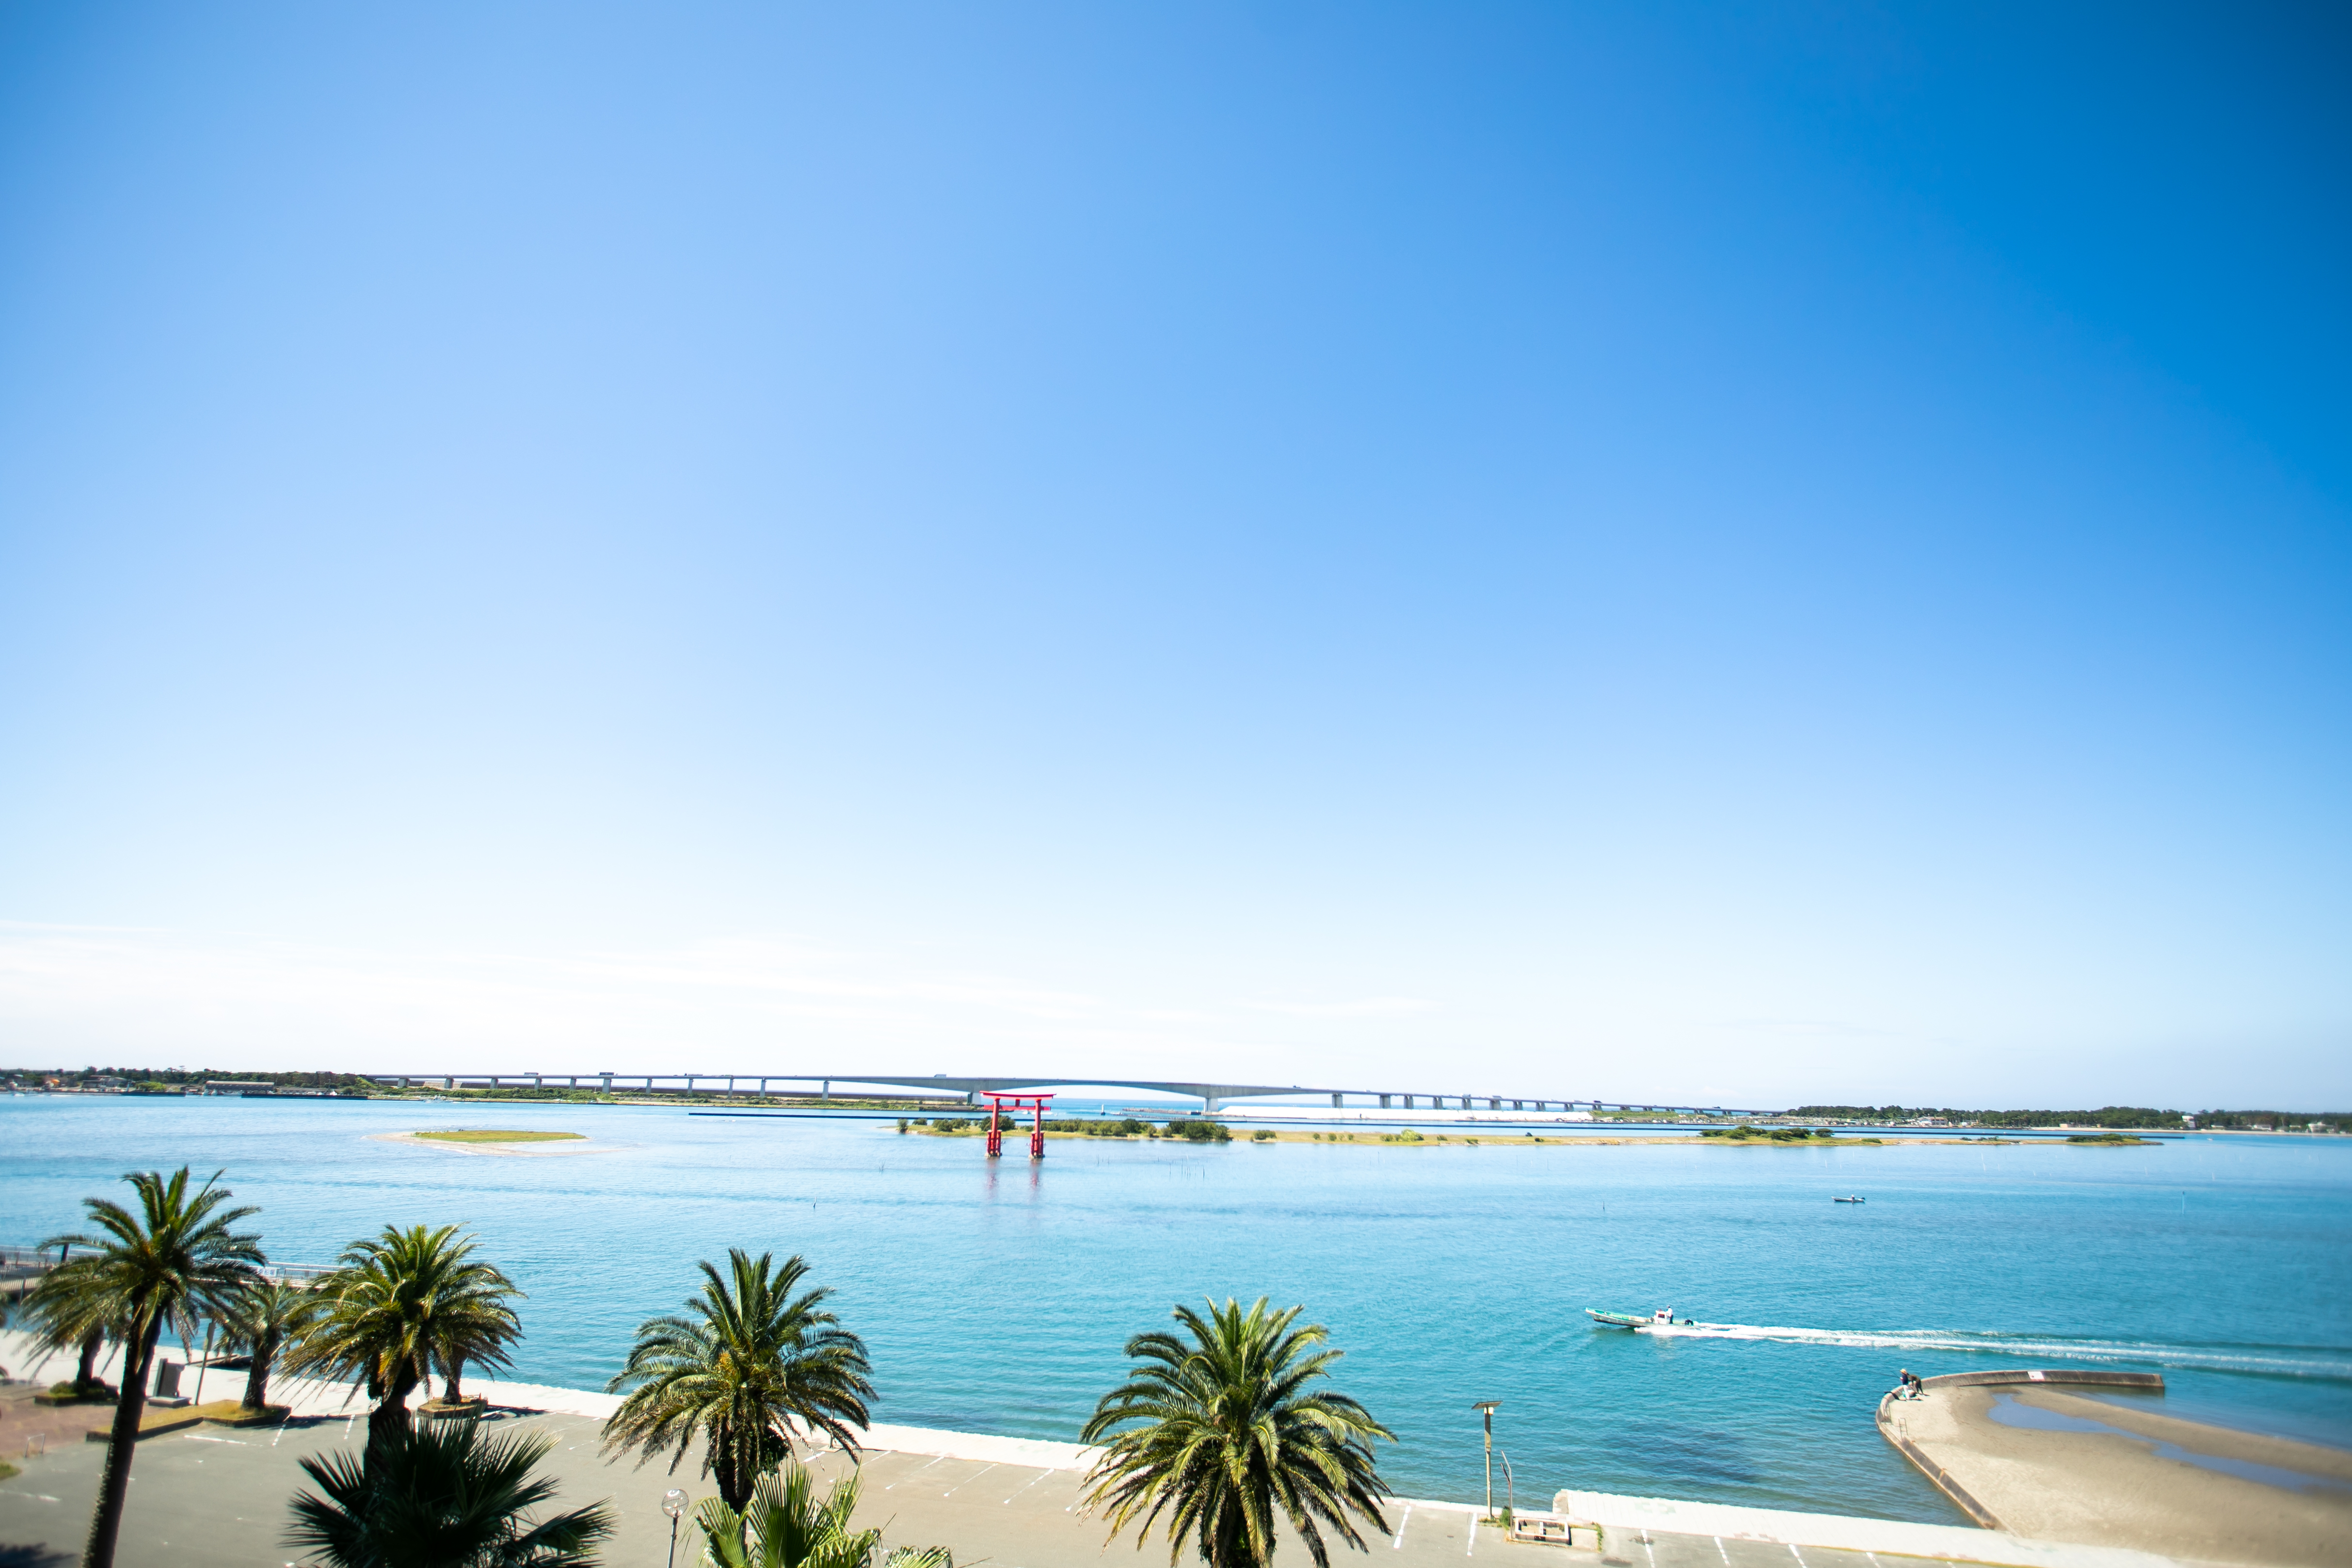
{"points": [[997, 1103]]}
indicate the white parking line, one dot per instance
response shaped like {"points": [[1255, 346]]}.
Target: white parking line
{"points": [[1032, 1481], [918, 1470], [1473, 1545], [1399, 1542], [1727, 1557], [973, 1477]]}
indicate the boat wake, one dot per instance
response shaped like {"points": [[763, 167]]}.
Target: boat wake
{"points": [[2274, 1361]]}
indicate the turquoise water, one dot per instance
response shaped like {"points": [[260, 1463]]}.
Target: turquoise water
{"points": [[994, 1296]]}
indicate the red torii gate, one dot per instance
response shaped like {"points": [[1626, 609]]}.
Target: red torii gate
{"points": [[997, 1103]]}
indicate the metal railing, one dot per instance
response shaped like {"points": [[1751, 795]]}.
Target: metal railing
{"points": [[17, 1261]]}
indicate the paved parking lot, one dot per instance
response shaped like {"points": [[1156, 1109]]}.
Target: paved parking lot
{"points": [[217, 1499]]}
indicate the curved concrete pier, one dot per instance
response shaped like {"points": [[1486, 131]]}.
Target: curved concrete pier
{"points": [[2022, 1454]]}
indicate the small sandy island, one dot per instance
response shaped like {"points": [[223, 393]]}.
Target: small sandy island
{"points": [[2109, 1472], [493, 1141]]}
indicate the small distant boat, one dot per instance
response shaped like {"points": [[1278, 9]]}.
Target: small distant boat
{"points": [[1849, 1200], [1662, 1317]]}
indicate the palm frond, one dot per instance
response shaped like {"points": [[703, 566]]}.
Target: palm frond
{"points": [[1215, 1436], [444, 1498], [751, 1368]]}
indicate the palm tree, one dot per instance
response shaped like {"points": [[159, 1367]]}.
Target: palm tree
{"points": [[446, 1497], [172, 1259], [63, 1318], [752, 1363], [258, 1324], [399, 1304], [789, 1527], [1228, 1432]]}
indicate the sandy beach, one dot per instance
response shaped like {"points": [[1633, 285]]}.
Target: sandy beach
{"points": [[2149, 1481], [526, 1151]]}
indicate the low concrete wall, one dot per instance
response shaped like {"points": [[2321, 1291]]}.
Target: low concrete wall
{"points": [[1984, 1517], [1630, 1518], [2050, 1375]]}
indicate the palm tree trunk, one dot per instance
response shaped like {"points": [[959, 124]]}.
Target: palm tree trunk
{"points": [[449, 1394], [87, 1372], [257, 1376], [114, 1488], [735, 1465], [388, 1422]]}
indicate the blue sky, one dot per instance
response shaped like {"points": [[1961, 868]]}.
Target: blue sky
{"points": [[1760, 554]]}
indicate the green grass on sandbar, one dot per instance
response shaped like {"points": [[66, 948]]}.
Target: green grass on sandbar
{"points": [[494, 1135]]}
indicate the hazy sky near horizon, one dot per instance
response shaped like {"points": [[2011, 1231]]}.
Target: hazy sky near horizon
{"points": [[1751, 554]]}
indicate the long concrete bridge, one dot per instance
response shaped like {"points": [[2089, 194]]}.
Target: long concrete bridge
{"points": [[1213, 1097]]}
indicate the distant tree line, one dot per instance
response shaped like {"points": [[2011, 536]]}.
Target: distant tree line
{"points": [[179, 1077], [2116, 1116]]}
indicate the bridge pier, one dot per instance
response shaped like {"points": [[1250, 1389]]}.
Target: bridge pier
{"points": [[1384, 1102], [1337, 1100], [606, 1086]]}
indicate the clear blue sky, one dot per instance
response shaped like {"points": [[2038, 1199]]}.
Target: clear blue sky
{"points": [[1759, 553]]}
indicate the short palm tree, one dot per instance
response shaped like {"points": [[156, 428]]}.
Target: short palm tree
{"points": [[444, 1497], [750, 1364], [70, 1319], [786, 1526], [1219, 1433], [396, 1307], [258, 1324], [171, 1258]]}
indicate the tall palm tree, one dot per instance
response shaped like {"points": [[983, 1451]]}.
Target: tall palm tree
{"points": [[785, 1526], [396, 1307], [1221, 1432], [752, 1363], [258, 1324], [173, 1257], [446, 1497]]}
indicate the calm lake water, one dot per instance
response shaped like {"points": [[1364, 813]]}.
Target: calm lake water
{"points": [[994, 1296]]}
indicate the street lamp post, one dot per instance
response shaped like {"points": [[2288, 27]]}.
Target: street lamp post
{"points": [[1487, 1408], [673, 1504]]}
